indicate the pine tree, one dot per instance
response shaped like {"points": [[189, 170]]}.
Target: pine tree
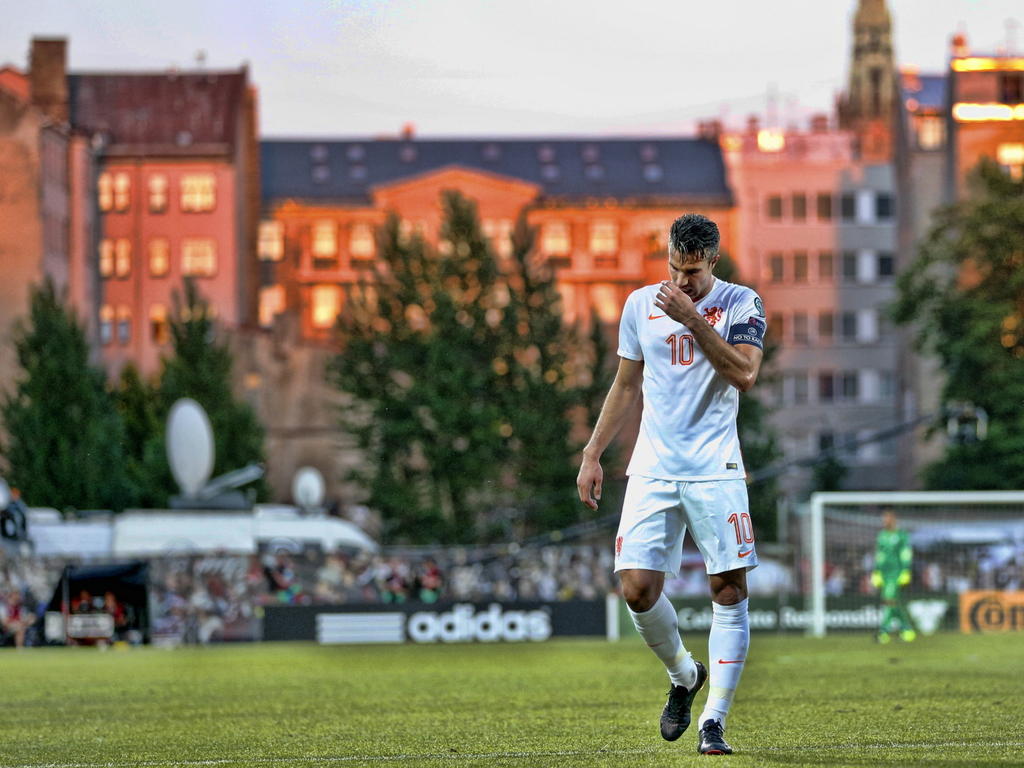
{"points": [[138, 403], [964, 295], [64, 435], [462, 374], [200, 368]]}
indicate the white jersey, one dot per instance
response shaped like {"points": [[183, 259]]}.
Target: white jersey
{"points": [[688, 429]]}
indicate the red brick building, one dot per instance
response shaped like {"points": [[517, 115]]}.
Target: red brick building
{"points": [[173, 186]]}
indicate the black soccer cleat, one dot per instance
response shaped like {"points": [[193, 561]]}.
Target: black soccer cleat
{"points": [[711, 741], [675, 718]]}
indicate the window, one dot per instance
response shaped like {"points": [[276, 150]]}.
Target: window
{"points": [[826, 266], [848, 385], [355, 152], [799, 203], [931, 132], [555, 239], [826, 327], [407, 153], [550, 172], [848, 206], [106, 258], [106, 324], [361, 244], [800, 389], [867, 266], [325, 305], [159, 257], [499, 232], [594, 171], [1011, 88], [357, 172], [320, 174], [826, 387], [198, 192], [800, 267], [159, 328], [198, 257], [776, 268], [1011, 159], [122, 192], [591, 153], [826, 441], [886, 266], [123, 257], [605, 300], [324, 237], [105, 192], [272, 303], [604, 238], [848, 326], [124, 324], [774, 207], [887, 384], [546, 153], [653, 172], [849, 266], [776, 326], [271, 241], [158, 193], [801, 334], [867, 326], [883, 206], [825, 206]]}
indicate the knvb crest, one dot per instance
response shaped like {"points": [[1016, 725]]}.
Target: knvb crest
{"points": [[713, 315]]}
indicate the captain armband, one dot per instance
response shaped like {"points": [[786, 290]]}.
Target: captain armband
{"points": [[750, 332]]}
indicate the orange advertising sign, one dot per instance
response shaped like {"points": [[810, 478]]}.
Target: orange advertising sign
{"points": [[991, 611]]}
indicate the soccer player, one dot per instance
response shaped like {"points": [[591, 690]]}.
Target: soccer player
{"points": [[690, 344], [892, 572]]}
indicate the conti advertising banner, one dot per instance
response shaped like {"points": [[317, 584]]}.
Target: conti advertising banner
{"points": [[526, 622], [929, 614], [992, 611]]}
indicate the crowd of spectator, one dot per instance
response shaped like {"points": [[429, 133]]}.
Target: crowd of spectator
{"points": [[209, 598]]}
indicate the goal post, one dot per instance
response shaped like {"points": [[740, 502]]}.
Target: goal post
{"points": [[960, 540]]}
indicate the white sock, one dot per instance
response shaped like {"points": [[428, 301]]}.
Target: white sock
{"points": [[727, 649], [659, 627]]}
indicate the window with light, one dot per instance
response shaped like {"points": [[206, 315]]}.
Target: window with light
{"points": [[198, 192], [198, 257]]}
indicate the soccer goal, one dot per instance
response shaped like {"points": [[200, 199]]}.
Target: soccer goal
{"points": [[966, 559]]}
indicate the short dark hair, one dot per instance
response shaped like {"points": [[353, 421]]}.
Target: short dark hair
{"points": [[694, 235]]}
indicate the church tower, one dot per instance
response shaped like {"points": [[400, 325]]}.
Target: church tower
{"points": [[867, 107]]}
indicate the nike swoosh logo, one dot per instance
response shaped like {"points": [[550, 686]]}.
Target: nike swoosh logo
{"points": [[737, 661], [655, 317], [744, 554]]}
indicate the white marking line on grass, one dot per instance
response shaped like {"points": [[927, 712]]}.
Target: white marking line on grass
{"points": [[488, 755]]}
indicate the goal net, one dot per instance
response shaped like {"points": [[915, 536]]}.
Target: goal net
{"points": [[967, 559]]}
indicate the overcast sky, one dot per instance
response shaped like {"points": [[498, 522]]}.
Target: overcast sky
{"points": [[506, 67]]}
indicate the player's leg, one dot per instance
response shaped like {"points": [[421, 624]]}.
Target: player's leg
{"points": [[719, 520], [648, 545], [907, 631]]}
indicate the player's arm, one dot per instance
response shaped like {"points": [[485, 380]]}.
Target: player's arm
{"points": [[622, 398], [739, 364]]}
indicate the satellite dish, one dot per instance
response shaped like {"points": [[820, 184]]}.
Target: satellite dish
{"points": [[189, 446], [308, 487], [5, 494]]}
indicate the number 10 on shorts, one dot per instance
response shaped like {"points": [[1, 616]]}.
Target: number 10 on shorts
{"points": [[744, 527]]}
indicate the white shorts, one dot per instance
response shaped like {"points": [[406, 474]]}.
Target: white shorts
{"points": [[656, 514]]}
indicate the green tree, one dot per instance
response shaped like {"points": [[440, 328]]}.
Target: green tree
{"points": [[964, 295], [464, 379], [828, 474], [200, 368], [64, 434], [758, 439], [138, 403]]}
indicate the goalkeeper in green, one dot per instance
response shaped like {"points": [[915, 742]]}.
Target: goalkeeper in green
{"points": [[892, 572]]}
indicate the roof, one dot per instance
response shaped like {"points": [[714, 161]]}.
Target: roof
{"points": [[929, 91], [184, 113], [636, 169]]}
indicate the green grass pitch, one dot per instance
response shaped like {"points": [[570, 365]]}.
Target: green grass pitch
{"points": [[947, 700]]}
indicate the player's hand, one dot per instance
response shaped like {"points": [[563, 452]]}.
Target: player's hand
{"points": [[675, 303], [588, 482], [876, 579], [904, 578]]}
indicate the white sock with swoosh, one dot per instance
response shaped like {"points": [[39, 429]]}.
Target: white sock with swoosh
{"points": [[727, 649]]}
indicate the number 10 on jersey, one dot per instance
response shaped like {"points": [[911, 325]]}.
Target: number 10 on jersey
{"points": [[682, 348]]}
